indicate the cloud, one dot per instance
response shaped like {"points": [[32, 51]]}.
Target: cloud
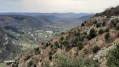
{"points": [[76, 6]]}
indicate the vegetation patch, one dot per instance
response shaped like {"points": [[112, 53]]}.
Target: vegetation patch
{"points": [[95, 49], [2, 64], [113, 57]]}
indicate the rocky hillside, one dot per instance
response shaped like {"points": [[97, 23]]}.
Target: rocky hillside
{"points": [[13, 31], [8, 50], [84, 46], [114, 11]]}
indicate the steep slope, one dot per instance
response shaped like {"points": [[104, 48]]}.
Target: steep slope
{"points": [[13, 34], [83, 46], [8, 50], [114, 11]]}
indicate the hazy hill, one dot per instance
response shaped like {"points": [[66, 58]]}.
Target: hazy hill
{"points": [[83, 18], [60, 15], [93, 44], [64, 18], [20, 21]]}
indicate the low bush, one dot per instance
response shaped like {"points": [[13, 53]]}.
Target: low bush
{"points": [[101, 31], [63, 60], [30, 63], [62, 38], [95, 49], [82, 24], [107, 36], [27, 57], [46, 64], [56, 43], [104, 23], [80, 45], [92, 34], [107, 29], [95, 22], [50, 57], [113, 57], [117, 28], [98, 25]]}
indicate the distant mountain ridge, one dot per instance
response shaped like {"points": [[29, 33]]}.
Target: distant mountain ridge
{"points": [[83, 18], [60, 15], [19, 21], [50, 18]]}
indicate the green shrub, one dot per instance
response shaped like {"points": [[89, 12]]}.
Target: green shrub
{"points": [[64, 60], [27, 57], [113, 23], [101, 31], [107, 36], [88, 37], [86, 51], [30, 63], [113, 57], [46, 64], [80, 45], [82, 24], [62, 33], [77, 34], [85, 33], [60, 46], [47, 44], [90, 63], [62, 38], [108, 17], [51, 46], [82, 37], [35, 65], [95, 22], [50, 53], [107, 29], [92, 34], [56, 43], [117, 28], [50, 57], [98, 25], [95, 49], [66, 44], [104, 23], [37, 51]]}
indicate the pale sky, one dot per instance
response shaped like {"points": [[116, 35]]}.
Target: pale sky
{"points": [[62, 6]]}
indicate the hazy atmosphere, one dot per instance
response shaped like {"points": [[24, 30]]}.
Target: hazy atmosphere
{"points": [[59, 33], [50, 6]]}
